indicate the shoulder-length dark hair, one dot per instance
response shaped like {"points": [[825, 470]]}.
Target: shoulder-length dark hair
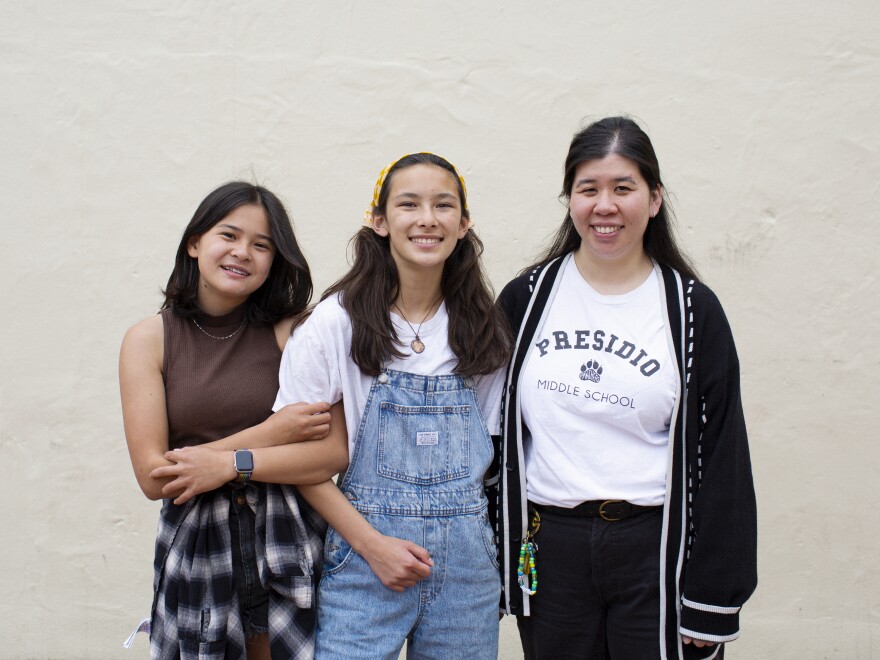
{"points": [[478, 333], [288, 287], [621, 136]]}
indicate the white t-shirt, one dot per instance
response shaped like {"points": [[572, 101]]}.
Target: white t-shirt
{"points": [[597, 394], [317, 364]]}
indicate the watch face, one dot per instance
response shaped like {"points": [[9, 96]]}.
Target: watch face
{"points": [[244, 461]]}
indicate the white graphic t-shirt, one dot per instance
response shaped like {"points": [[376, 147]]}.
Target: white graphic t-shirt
{"points": [[317, 365], [597, 394]]}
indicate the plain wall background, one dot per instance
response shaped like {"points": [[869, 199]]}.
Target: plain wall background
{"points": [[118, 117]]}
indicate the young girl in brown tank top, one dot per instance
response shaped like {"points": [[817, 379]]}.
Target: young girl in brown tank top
{"points": [[236, 552]]}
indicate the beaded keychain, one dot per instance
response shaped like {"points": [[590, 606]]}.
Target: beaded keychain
{"points": [[527, 573]]}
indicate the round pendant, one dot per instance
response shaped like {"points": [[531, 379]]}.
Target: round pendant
{"points": [[417, 345]]}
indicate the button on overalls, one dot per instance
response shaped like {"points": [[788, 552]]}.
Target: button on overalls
{"points": [[416, 473]]}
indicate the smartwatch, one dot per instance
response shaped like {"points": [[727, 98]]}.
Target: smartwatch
{"points": [[243, 461]]}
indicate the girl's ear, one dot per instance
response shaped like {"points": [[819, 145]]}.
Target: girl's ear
{"points": [[463, 226], [380, 226], [656, 200], [192, 246]]}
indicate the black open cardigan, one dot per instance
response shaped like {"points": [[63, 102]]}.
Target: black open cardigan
{"points": [[708, 552]]}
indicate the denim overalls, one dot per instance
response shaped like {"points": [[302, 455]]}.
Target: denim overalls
{"points": [[416, 473]]}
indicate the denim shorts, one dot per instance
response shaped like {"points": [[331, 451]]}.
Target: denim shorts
{"points": [[253, 598]]}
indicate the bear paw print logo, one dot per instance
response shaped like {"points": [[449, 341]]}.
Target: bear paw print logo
{"points": [[591, 371]]}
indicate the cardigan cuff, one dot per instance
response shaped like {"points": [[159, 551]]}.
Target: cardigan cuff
{"points": [[711, 623]]}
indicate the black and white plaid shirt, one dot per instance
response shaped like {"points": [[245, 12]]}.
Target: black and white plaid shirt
{"points": [[195, 607]]}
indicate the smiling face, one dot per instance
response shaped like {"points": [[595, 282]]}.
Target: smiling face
{"points": [[234, 258], [423, 218], [611, 205]]}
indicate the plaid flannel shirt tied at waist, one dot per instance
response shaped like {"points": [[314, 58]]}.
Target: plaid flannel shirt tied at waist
{"points": [[195, 607]]}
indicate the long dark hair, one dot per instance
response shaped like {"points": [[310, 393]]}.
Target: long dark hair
{"points": [[478, 333], [621, 136], [287, 288]]}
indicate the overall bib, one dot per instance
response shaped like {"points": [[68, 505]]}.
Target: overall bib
{"points": [[416, 473]]}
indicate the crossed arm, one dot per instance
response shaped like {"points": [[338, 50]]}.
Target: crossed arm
{"points": [[301, 444], [291, 446]]}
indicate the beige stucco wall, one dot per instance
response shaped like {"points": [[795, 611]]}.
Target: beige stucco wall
{"points": [[117, 118]]}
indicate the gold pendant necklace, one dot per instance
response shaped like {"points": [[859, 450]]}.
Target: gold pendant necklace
{"points": [[417, 344]]}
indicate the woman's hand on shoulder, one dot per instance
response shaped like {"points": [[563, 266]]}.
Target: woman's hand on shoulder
{"points": [[195, 470], [301, 421], [397, 563]]}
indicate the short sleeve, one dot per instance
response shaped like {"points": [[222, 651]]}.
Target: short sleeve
{"points": [[309, 369]]}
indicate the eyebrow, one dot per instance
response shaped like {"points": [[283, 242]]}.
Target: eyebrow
{"points": [[619, 179], [409, 195], [238, 229]]}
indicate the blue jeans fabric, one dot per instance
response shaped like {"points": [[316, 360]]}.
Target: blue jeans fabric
{"points": [[416, 473]]}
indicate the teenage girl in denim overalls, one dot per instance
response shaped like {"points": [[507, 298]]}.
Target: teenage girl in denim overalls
{"points": [[411, 343]]}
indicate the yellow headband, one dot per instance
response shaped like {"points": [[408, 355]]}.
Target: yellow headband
{"points": [[368, 216]]}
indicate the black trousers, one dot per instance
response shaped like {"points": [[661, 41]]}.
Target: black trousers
{"points": [[598, 589]]}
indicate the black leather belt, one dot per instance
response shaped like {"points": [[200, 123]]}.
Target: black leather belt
{"points": [[610, 510]]}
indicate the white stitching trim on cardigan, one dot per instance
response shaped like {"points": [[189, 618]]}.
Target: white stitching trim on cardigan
{"points": [[714, 609]]}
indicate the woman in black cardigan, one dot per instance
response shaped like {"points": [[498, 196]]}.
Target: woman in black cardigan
{"points": [[626, 484]]}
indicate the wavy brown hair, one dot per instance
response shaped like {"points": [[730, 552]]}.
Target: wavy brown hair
{"points": [[621, 136], [478, 333]]}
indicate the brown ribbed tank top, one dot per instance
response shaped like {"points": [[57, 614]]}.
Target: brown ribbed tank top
{"points": [[217, 387]]}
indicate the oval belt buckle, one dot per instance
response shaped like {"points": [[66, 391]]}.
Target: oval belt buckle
{"points": [[602, 514]]}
